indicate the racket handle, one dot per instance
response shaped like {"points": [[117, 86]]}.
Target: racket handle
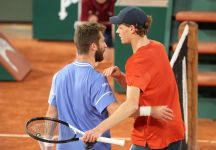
{"points": [[111, 141], [102, 139]]}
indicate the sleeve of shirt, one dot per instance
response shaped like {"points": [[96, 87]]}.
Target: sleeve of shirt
{"points": [[84, 10], [111, 9], [101, 94], [137, 74], [52, 95]]}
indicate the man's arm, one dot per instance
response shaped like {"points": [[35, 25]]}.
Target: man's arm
{"points": [[116, 73], [162, 113], [158, 112], [113, 107], [124, 111], [51, 112], [84, 10]]}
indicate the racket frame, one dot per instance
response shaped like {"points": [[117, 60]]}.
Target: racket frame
{"points": [[100, 139], [47, 140]]}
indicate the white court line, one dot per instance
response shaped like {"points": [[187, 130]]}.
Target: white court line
{"points": [[126, 139], [207, 141], [14, 135], [199, 141]]}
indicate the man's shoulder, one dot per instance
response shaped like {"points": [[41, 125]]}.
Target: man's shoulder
{"points": [[97, 75], [65, 68], [157, 44], [61, 73]]}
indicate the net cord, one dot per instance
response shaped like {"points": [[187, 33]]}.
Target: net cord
{"points": [[179, 45]]}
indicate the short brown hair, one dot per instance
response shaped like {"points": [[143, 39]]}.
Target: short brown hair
{"points": [[86, 34], [143, 30]]}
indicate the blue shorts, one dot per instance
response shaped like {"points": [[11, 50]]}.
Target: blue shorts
{"points": [[172, 146]]}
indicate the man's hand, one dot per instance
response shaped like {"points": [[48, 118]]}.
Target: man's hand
{"points": [[113, 71], [91, 135], [116, 73], [162, 113], [93, 18]]}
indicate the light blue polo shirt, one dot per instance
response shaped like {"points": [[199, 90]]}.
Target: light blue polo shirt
{"points": [[81, 95]]}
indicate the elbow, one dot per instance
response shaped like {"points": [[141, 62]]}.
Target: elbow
{"points": [[134, 108]]}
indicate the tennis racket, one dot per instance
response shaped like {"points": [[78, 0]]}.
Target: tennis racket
{"points": [[52, 130]]}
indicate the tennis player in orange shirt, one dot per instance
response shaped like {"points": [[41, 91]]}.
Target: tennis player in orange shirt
{"points": [[150, 82]]}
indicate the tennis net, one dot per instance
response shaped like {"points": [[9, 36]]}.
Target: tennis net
{"points": [[184, 64]]}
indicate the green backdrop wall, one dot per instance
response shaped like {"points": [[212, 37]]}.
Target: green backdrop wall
{"points": [[15, 10]]}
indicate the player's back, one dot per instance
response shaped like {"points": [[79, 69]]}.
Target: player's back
{"points": [[78, 100]]}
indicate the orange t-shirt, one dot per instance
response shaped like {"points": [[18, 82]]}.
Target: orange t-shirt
{"points": [[149, 69]]}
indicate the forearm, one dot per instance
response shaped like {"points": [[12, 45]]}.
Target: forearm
{"points": [[145, 111], [158, 112], [142, 111], [124, 111], [52, 112], [113, 107], [122, 80], [84, 10]]}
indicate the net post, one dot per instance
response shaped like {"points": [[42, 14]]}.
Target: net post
{"points": [[192, 71]]}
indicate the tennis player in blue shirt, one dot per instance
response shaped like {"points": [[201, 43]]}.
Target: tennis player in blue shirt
{"points": [[79, 94]]}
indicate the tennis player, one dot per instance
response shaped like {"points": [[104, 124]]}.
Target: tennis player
{"points": [[150, 81], [79, 94]]}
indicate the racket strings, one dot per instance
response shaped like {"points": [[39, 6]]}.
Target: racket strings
{"points": [[51, 130]]}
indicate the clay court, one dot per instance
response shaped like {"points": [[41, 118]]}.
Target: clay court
{"points": [[20, 101]]}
